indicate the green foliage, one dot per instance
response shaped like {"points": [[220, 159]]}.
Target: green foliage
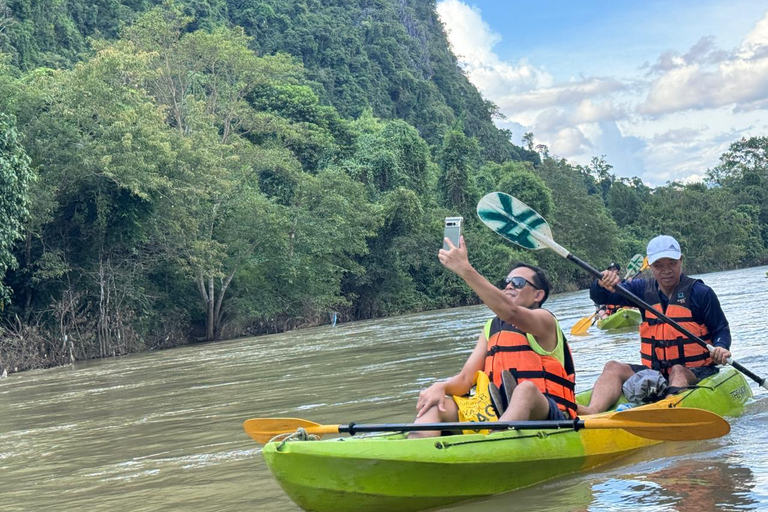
{"points": [[459, 159], [523, 183], [388, 155], [246, 166], [579, 222], [626, 202], [15, 178], [743, 172], [712, 235]]}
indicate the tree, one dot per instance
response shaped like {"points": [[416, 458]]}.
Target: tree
{"points": [[599, 169], [626, 202], [742, 158], [459, 158], [522, 182], [15, 178], [743, 171], [712, 233], [579, 221]]}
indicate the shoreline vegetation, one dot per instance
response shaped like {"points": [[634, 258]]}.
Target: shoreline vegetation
{"points": [[174, 172]]}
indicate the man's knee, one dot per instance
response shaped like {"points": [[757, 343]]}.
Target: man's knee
{"points": [[525, 389], [680, 375], [616, 368]]}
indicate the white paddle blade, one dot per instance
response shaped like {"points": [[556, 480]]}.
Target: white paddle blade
{"points": [[514, 220], [635, 264]]}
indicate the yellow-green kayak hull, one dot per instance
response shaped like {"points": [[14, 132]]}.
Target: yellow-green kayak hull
{"points": [[389, 472], [621, 319]]}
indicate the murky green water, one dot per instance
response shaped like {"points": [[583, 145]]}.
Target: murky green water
{"points": [[163, 431]]}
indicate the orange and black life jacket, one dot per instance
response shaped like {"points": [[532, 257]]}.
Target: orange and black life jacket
{"points": [[662, 346], [508, 349]]}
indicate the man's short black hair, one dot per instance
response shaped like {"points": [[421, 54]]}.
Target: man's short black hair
{"points": [[614, 266], [539, 279]]}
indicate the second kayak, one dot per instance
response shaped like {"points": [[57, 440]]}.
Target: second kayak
{"points": [[621, 318]]}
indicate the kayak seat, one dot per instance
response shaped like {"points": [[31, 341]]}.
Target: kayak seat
{"points": [[508, 384], [497, 400], [500, 398]]}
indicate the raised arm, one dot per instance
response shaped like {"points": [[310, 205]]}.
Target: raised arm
{"points": [[538, 322]]}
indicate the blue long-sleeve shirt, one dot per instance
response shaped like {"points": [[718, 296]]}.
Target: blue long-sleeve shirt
{"points": [[705, 306]]}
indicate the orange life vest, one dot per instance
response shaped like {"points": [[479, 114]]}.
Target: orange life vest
{"points": [[611, 309], [508, 349], [661, 345]]}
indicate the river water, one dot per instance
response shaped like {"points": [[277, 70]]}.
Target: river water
{"points": [[162, 431]]}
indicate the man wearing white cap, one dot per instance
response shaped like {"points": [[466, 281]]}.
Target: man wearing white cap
{"points": [[688, 301]]}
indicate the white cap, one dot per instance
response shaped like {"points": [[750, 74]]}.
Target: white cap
{"points": [[663, 246]]}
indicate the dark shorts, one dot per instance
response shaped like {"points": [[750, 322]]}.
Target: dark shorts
{"points": [[555, 414], [701, 372]]}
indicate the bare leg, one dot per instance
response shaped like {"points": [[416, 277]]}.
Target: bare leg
{"points": [[435, 415], [607, 389], [680, 376], [527, 403]]}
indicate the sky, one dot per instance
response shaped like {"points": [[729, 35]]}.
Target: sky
{"points": [[659, 89]]}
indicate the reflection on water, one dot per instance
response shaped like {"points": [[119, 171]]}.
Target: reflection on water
{"points": [[681, 477], [163, 431], [691, 486]]}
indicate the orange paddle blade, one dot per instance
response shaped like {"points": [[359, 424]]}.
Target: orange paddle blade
{"points": [[676, 424], [264, 429], [582, 325]]}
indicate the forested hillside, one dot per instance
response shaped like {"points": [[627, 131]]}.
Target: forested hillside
{"points": [[198, 170], [391, 56]]}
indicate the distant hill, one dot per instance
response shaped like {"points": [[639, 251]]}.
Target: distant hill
{"points": [[391, 56]]}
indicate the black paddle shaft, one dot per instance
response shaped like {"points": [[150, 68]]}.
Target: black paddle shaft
{"points": [[640, 302], [353, 428]]}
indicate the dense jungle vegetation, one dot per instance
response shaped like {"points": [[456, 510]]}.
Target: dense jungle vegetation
{"points": [[204, 169]]}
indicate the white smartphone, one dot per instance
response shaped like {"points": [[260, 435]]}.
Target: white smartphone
{"points": [[452, 231]]}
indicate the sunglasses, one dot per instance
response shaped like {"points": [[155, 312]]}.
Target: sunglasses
{"points": [[518, 282]]}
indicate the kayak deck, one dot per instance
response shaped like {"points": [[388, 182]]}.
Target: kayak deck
{"points": [[390, 472]]}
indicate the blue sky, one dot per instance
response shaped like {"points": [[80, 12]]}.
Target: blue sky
{"points": [[661, 89]]}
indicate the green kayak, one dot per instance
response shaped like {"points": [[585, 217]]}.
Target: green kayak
{"points": [[621, 318], [392, 473]]}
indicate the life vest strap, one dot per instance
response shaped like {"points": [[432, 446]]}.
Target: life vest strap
{"points": [[571, 406], [506, 348], [557, 379]]}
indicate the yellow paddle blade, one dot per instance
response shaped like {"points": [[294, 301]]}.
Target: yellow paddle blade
{"points": [[582, 325], [264, 429], [677, 424]]}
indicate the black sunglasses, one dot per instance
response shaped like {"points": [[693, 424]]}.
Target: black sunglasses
{"points": [[518, 282]]}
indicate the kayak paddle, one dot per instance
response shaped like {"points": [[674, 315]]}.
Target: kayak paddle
{"points": [[635, 266], [521, 225], [582, 325], [669, 424]]}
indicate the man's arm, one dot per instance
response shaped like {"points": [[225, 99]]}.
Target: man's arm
{"points": [[540, 323], [600, 295], [457, 385]]}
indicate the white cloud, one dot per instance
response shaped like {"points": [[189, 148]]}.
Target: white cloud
{"points": [[559, 114], [561, 95], [706, 78], [472, 41], [757, 40], [669, 125]]}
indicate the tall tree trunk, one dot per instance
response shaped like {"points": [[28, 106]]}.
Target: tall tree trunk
{"points": [[211, 317]]}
